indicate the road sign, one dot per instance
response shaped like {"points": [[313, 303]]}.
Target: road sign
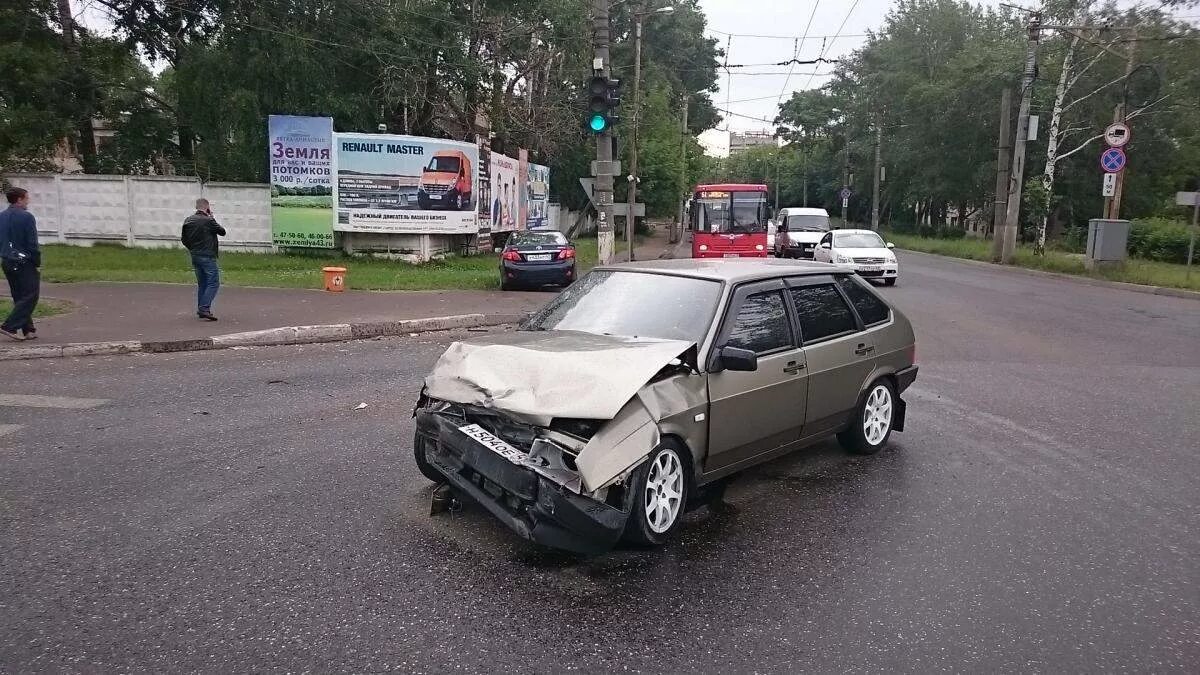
{"points": [[622, 209], [1187, 198], [1117, 134], [1112, 160], [1110, 185], [845, 193], [845, 203]]}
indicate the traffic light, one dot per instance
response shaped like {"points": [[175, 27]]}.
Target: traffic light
{"points": [[603, 97]]}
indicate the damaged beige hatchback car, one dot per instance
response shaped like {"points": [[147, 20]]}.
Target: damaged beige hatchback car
{"points": [[636, 393]]}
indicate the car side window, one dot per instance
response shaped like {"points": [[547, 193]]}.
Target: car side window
{"points": [[872, 310], [761, 324], [822, 312], [827, 239]]}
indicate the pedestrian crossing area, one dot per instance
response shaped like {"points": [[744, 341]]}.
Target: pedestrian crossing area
{"points": [[8, 430]]}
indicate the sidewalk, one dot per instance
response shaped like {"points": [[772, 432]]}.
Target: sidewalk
{"points": [[160, 312], [109, 312]]}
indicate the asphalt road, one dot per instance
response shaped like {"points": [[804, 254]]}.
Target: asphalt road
{"points": [[232, 511]]}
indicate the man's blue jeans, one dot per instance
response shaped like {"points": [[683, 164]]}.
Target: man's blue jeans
{"points": [[208, 280]]}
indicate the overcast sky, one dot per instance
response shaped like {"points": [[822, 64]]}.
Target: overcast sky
{"points": [[848, 20]]}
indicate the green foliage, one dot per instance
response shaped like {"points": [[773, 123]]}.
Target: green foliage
{"points": [[1159, 239], [33, 113], [440, 68]]}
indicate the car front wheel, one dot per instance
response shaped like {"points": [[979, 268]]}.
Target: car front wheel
{"points": [[873, 419], [661, 488]]}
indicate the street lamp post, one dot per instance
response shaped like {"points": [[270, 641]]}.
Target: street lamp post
{"points": [[638, 17]]}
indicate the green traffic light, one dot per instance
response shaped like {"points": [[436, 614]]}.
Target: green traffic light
{"points": [[598, 123]]}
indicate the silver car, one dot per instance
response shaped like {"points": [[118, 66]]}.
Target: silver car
{"points": [[636, 393]]}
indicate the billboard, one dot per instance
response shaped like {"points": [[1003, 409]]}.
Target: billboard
{"points": [[299, 150], [506, 194], [537, 197], [404, 184]]}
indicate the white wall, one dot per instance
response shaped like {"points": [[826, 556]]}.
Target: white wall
{"points": [[143, 211]]}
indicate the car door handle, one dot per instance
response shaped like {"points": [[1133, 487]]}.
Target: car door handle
{"points": [[792, 368], [864, 349]]}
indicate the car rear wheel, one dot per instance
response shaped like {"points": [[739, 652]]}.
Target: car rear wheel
{"points": [[872, 425], [423, 464], [661, 488]]}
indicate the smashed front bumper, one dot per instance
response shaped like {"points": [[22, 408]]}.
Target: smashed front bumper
{"points": [[529, 502]]}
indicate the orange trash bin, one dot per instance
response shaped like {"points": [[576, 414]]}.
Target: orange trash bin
{"points": [[335, 279]]}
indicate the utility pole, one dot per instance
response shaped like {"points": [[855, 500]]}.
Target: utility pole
{"points": [[604, 176], [846, 181], [1017, 177], [778, 178], [637, 116], [1003, 157], [683, 136], [1113, 205], [878, 169], [804, 152]]}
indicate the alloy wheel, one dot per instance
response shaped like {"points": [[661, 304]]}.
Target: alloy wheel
{"points": [[664, 491], [877, 415]]}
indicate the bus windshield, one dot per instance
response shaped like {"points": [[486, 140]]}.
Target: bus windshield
{"points": [[730, 212]]}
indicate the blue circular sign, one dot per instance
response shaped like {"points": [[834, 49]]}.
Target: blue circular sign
{"points": [[1112, 160]]}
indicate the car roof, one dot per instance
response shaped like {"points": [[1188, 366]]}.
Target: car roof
{"points": [[804, 211], [721, 269], [857, 232]]}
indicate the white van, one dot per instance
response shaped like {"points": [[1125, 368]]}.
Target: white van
{"points": [[798, 231]]}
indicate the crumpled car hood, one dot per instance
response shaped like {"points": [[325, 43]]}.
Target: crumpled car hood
{"points": [[536, 376]]}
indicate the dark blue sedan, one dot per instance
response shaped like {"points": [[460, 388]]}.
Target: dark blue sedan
{"points": [[536, 259]]}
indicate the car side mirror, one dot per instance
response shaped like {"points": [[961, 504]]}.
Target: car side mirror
{"points": [[825, 244], [891, 245], [497, 250], [740, 360]]}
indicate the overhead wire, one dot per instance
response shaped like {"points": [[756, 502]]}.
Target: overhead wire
{"points": [[799, 48], [825, 48]]}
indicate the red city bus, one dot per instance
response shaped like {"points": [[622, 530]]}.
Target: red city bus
{"points": [[729, 221]]}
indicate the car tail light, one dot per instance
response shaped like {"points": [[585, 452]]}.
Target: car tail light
{"points": [[511, 255], [566, 254]]}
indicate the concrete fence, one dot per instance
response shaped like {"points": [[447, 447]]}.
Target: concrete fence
{"points": [[143, 211]]}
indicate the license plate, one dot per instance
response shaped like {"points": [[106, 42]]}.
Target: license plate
{"points": [[435, 197], [870, 268], [489, 440], [538, 257], [732, 255]]}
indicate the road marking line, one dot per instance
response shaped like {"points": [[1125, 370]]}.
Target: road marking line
{"points": [[65, 402], [9, 428]]}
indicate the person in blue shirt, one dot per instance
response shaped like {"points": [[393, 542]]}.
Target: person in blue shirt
{"points": [[20, 258]]}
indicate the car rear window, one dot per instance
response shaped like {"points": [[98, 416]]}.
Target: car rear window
{"points": [[761, 324], [870, 308], [537, 239], [822, 312]]}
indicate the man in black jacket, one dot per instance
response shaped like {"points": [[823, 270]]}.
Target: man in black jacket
{"points": [[200, 231], [20, 258]]}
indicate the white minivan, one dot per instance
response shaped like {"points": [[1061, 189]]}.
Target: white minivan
{"points": [[798, 231]]}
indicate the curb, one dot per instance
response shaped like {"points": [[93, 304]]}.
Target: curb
{"points": [[1087, 281], [272, 337]]}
